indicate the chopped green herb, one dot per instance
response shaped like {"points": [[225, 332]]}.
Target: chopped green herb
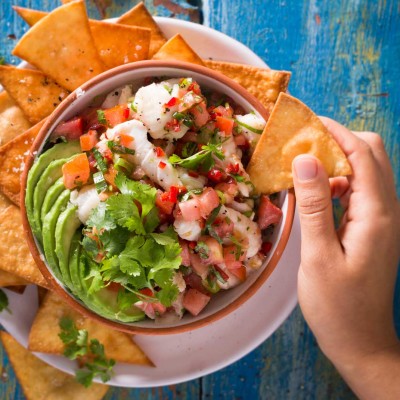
{"points": [[248, 127], [101, 117], [102, 163], [77, 345], [119, 149], [123, 166], [133, 107], [202, 250], [168, 89], [189, 149], [185, 118], [100, 182], [185, 83]]}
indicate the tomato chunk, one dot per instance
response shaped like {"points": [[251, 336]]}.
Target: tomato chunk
{"points": [[116, 115], [88, 140], [240, 272], [268, 213], [71, 129], [190, 209], [208, 201], [224, 125], [76, 172], [194, 301], [163, 202]]}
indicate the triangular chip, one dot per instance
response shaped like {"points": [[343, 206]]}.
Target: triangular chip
{"points": [[4, 202], [263, 83], [61, 45], [12, 120], [139, 16], [44, 338], [177, 49], [15, 256], [36, 94], [7, 279], [12, 162], [116, 44], [120, 44], [40, 381], [292, 129], [30, 16]]}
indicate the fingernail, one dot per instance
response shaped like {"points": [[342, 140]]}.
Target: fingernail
{"points": [[306, 167]]}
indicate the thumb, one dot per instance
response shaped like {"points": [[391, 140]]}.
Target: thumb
{"points": [[313, 197]]}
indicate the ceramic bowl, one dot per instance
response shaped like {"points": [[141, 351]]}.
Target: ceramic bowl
{"points": [[225, 301]]}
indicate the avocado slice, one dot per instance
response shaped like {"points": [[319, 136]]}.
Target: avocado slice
{"points": [[49, 227], [74, 259], [58, 151], [104, 302], [51, 197], [67, 224]]}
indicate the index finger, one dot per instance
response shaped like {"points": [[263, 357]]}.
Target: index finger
{"points": [[366, 178]]}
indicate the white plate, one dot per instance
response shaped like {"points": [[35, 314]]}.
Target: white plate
{"points": [[187, 356]]}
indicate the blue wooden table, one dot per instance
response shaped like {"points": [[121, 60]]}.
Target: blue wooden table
{"points": [[345, 58]]}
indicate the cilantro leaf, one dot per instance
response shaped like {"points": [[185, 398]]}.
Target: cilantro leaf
{"points": [[100, 218], [4, 302], [125, 299], [169, 291]]}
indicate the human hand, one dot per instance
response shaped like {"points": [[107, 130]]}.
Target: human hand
{"points": [[346, 278]]}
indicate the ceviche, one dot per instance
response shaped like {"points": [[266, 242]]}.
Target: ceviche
{"points": [[142, 205]]}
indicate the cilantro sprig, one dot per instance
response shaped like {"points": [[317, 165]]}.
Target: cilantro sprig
{"points": [[203, 160], [89, 352]]}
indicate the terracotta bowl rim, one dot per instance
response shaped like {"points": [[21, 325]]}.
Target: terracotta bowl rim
{"points": [[70, 300]]}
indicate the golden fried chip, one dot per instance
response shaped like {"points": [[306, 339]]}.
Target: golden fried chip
{"points": [[35, 93], [116, 44], [30, 16], [263, 83], [15, 256], [177, 49], [61, 46], [120, 44], [139, 16], [4, 202], [40, 381], [44, 338], [12, 120], [7, 279], [292, 129], [12, 162]]}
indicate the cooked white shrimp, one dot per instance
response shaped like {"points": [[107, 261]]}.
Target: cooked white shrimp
{"points": [[86, 199], [255, 122], [188, 230], [150, 102]]}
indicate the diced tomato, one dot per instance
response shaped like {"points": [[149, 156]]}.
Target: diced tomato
{"points": [[268, 213], [159, 152], [185, 253], [233, 168], [147, 292], [242, 141], [240, 272], [162, 165], [233, 256], [213, 250], [76, 172], [163, 203], [198, 265], [222, 111], [193, 174], [223, 274], [88, 140], [92, 163], [71, 129], [224, 125], [223, 227], [151, 309], [125, 140], [172, 102], [216, 175], [110, 176], [173, 125], [208, 201], [190, 209], [194, 87], [116, 115], [114, 287], [194, 301], [266, 247]]}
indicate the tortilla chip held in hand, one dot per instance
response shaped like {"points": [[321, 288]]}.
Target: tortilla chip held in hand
{"points": [[292, 129]]}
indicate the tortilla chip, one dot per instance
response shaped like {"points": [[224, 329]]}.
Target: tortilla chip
{"points": [[57, 47], [177, 49], [120, 44], [12, 120], [30, 16], [44, 338], [40, 381], [7, 279], [4, 202], [36, 94], [140, 16], [263, 83], [15, 256], [12, 162], [292, 129], [42, 293], [116, 44]]}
